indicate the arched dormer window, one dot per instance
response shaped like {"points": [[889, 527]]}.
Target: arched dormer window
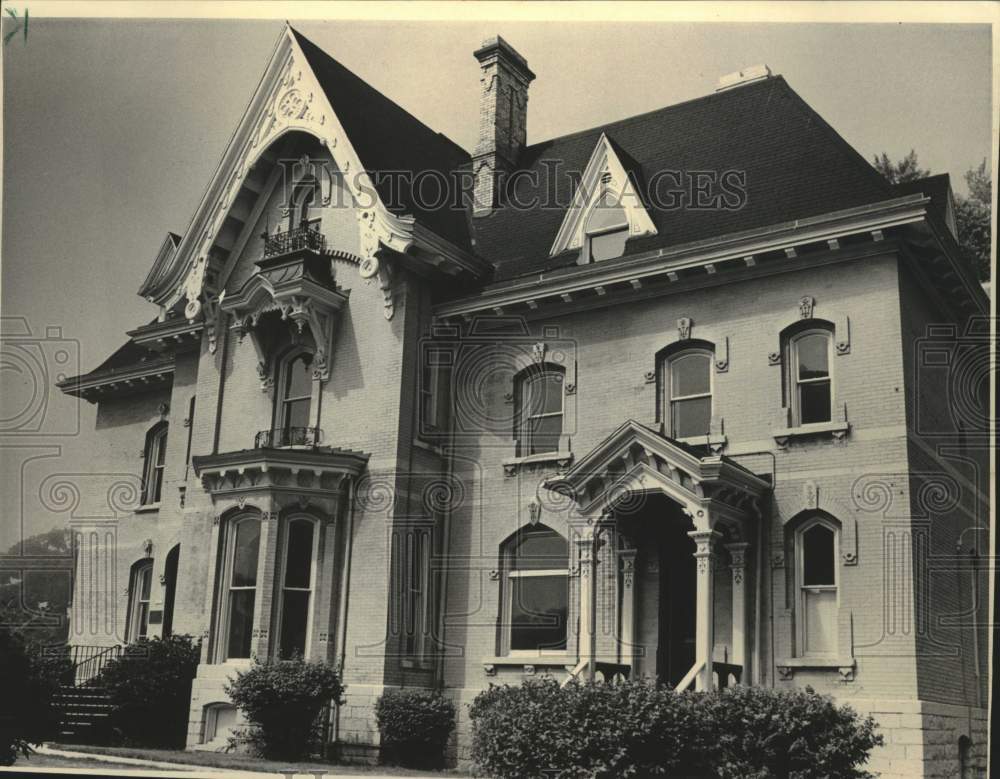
{"points": [[139, 589], [538, 398], [155, 455], [685, 378], [817, 578], [293, 400], [607, 229], [534, 600], [809, 376]]}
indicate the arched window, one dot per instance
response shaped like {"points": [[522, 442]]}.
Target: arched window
{"points": [[170, 589], [298, 575], [817, 545], [294, 400], [606, 229], [538, 393], [155, 455], [810, 383], [303, 199], [239, 586], [139, 589], [535, 598], [687, 393]]}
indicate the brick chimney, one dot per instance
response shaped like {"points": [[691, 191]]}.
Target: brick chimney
{"points": [[503, 109]]}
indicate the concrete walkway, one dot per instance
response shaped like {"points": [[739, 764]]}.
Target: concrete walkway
{"points": [[189, 771]]}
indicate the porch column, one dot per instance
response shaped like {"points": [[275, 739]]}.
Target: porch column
{"points": [[737, 553], [588, 601], [626, 628], [704, 627]]}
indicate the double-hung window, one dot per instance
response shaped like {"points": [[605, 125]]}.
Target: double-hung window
{"points": [[294, 402], [539, 395], [817, 544], [155, 454], [687, 399], [140, 588], [240, 591], [810, 379], [536, 597], [297, 584]]}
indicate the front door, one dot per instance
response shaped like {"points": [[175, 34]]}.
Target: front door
{"points": [[675, 650]]}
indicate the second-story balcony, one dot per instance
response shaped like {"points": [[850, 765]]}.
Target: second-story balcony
{"points": [[280, 437], [296, 239]]}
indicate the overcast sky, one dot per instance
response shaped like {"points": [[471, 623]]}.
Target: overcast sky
{"points": [[112, 129]]}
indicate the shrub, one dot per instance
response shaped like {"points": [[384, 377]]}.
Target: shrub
{"points": [[640, 728], [282, 699], [794, 733], [28, 682], [150, 688], [636, 728], [415, 726]]}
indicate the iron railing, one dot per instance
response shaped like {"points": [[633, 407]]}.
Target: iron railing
{"points": [[288, 436], [293, 240], [89, 661]]}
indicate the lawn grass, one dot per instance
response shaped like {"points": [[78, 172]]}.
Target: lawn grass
{"points": [[242, 762], [55, 762]]}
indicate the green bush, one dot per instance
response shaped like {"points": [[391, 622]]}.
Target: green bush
{"points": [[795, 733], [150, 688], [415, 726], [28, 681], [282, 700], [640, 728]]}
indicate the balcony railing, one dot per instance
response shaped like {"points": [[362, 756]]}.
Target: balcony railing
{"points": [[303, 237], [288, 436]]}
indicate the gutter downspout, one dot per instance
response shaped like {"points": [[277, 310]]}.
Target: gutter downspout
{"points": [[345, 581]]}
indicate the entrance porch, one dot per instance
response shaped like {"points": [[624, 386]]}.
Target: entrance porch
{"points": [[663, 535]]}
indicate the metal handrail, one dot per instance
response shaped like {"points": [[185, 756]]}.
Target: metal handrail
{"points": [[278, 437], [303, 237], [89, 661]]}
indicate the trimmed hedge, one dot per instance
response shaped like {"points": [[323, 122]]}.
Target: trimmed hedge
{"points": [[282, 700], [640, 728], [415, 726], [150, 687]]}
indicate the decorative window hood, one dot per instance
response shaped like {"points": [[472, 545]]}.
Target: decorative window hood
{"points": [[300, 285]]}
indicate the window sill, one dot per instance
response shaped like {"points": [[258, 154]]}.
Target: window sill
{"points": [[715, 443], [845, 665], [837, 430], [146, 508], [512, 464], [428, 446], [529, 662], [416, 665]]}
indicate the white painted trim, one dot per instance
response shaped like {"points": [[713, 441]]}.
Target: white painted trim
{"points": [[603, 160]]}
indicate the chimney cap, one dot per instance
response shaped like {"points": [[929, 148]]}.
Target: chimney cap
{"points": [[498, 47], [744, 76]]}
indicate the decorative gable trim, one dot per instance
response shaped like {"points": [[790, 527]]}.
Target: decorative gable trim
{"points": [[165, 274], [604, 172]]}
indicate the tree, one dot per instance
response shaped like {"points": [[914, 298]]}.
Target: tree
{"points": [[35, 601], [972, 213], [907, 169], [972, 217]]}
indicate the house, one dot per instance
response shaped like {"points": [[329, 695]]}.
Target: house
{"points": [[691, 394]]}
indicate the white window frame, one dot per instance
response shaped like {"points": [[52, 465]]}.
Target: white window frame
{"points": [[802, 589], [510, 573], [282, 588], [435, 381], [141, 572], [794, 382], [666, 372], [222, 644], [536, 373], [154, 471], [589, 235], [281, 401]]}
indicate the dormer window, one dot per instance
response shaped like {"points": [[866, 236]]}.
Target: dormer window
{"points": [[607, 229]]}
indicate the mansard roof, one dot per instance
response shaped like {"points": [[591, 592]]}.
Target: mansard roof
{"points": [[387, 138], [796, 166]]}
